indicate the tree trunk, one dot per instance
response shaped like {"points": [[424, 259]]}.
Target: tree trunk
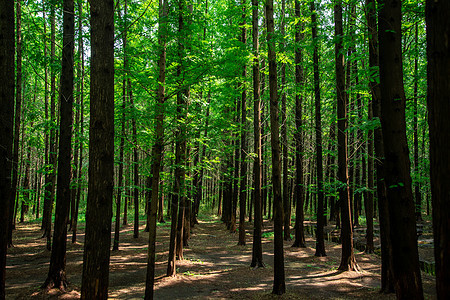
{"points": [[348, 261], [81, 95], [122, 138], [101, 153], [157, 150], [57, 273], [17, 114], [299, 191], [417, 194], [279, 287], [405, 257], [243, 169], [7, 45], [320, 242], [387, 284], [135, 165], [257, 260], [438, 54], [283, 129], [51, 168]]}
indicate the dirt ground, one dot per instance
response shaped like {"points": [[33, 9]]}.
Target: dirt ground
{"points": [[214, 267]]}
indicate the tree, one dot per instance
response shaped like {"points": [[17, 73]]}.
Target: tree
{"points": [[257, 260], [7, 48], [387, 283], [320, 243], [81, 125], [438, 70], [122, 138], [405, 257], [101, 153], [348, 261], [17, 121], [299, 240], [279, 286], [50, 178], [57, 273], [283, 129], [157, 149]]}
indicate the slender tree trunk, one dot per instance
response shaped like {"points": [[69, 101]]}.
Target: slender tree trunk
{"points": [[95, 277], [348, 261], [405, 257], [417, 194], [279, 287], [51, 171], [17, 114], [283, 129], [320, 242], [438, 54], [387, 283], [7, 48], [257, 260], [135, 165], [57, 273], [122, 137], [81, 95], [157, 150], [243, 169], [299, 190]]}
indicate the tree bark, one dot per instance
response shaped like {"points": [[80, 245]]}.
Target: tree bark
{"points": [[257, 260], [438, 54], [405, 257], [51, 168], [387, 283], [283, 129], [320, 242], [7, 48], [157, 150], [243, 168], [279, 286], [348, 261], [101, 153], [299, 191], [122, 138], [57, 273], [81, 95]]}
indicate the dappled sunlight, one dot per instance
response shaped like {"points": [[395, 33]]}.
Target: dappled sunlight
{"points": [[214, 267]]}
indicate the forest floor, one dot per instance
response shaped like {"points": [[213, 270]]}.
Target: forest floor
{"points": [[214, 267]]}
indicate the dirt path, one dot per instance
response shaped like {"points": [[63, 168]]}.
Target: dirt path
{"points": [[214, 267]]}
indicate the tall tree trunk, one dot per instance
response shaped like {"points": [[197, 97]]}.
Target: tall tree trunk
{"points": [[81, 95], [95, 277], [368, 196], [122, 137], [7, 48], [257, 260], [157, 149], [320, 242], [417, 194], [438, 54], [348, 261], [283, 129], [387, 283], [51, 170], [135, 165], [243, 169], [279, 286], [17, 114], [299, 191], [405, 257], [57, 273]]}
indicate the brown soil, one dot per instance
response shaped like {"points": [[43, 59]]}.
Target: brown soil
{"points": [[214, 267]]}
